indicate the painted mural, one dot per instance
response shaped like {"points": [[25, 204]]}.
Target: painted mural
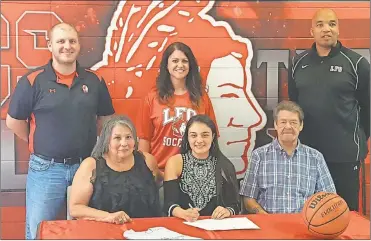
{"points": [[243, 49]]}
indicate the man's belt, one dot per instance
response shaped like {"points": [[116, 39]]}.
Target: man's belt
{"points": [[66, 161]]}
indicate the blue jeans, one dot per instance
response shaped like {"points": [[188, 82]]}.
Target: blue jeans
{"points": [[46, 190]]}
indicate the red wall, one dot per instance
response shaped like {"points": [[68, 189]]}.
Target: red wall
{"points": [[264, 34]]}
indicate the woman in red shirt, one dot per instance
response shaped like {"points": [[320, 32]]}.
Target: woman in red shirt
{"points": [[179, 94]]}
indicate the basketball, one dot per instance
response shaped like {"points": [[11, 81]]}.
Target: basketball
{"points": [[326, 215]]}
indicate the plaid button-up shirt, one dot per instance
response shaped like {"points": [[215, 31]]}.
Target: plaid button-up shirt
{"points": [[281, 183]]}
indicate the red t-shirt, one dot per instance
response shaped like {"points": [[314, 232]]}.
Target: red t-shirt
{"points": [[163, 125]]}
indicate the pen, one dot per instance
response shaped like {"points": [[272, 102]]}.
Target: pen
{"points": [[190, 205]]}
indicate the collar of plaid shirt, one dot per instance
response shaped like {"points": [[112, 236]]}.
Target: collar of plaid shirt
{"points": [[276, 144]]}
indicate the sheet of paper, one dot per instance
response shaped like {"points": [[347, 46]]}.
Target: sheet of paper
{"points": [[224, 224], [156, 233]]}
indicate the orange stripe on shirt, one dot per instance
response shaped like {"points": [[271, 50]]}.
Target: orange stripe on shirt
{"points": [[98, 75], [32, 132], [31, 77]]}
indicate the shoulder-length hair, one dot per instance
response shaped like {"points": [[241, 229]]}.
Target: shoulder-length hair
{"points": [[165, 88], [224, 167], [102, 145]]}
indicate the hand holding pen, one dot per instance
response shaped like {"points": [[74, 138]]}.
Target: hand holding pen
{"points": [[191, 214]]}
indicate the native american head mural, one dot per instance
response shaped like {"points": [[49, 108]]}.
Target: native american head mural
{"points": [[243, 49]]}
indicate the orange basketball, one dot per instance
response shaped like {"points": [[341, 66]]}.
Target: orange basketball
{"points": [[326, 215]]}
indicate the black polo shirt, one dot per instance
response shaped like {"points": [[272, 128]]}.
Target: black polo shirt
{"points": [[62, 120], [334, 92]]}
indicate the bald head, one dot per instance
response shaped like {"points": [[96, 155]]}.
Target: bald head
{"points": [[324, 14], [325, 29], [61, 26]]}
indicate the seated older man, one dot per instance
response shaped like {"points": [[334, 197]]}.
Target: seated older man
{"points": [[283, 174]]}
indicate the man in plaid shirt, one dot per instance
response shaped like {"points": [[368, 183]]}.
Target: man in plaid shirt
{"points": [[283, 174]]}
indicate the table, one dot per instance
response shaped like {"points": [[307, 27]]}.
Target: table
{"points": [[272, 226]]}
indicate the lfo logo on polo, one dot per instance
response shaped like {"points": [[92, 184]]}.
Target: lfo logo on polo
{"points": [[335, 68]]}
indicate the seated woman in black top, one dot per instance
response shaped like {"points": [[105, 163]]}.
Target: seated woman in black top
{"points": [[200, 180], [117, 182]]}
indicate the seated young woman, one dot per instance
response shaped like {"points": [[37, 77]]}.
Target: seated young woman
{"points": [[200, 180], [117, 182]]}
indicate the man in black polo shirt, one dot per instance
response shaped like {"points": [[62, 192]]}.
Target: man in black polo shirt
{"points": [[56, 109], [332, 85]]}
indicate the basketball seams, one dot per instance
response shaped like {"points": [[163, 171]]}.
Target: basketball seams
{"points": [[322, 222], [328, 234], [305, 214], [331, 219], [314, 214]]}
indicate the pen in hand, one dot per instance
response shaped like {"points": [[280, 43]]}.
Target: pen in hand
{"points": [[194, 214], [193, 207]]}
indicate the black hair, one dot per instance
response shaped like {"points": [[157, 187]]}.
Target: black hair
{"points": [[165, 88], [224, 167]]}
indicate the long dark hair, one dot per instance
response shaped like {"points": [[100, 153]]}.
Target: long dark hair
{"points": [[224, 167], [165, 88]]}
